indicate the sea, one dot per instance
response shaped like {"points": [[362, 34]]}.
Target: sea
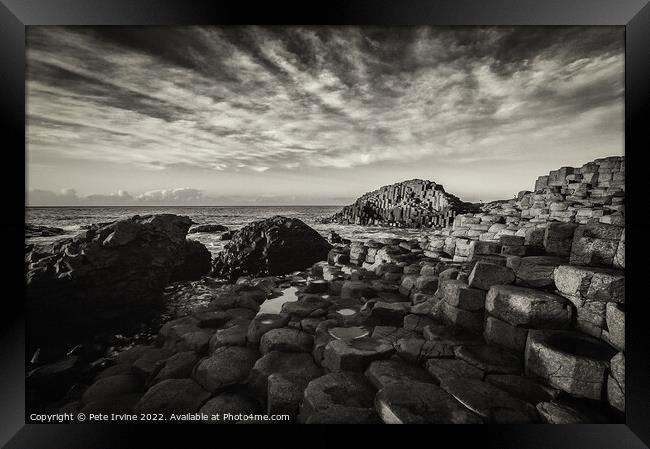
{"points": [[71, 219]]}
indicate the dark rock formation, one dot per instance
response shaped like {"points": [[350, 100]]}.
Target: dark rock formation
{"points": [[41, 231], [277, 245], [109, 272], [414, 203]]}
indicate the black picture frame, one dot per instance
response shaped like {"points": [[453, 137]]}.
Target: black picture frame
{"points": [[15, 15]]}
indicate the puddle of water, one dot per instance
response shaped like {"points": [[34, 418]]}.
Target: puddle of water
{"points": [[348, 332], [346, 312], [274, 305]]}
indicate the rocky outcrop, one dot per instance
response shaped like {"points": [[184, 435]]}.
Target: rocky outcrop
{"points": [[109, 272], [41, 231], [209, 228], [277, 245], [414, 203]]}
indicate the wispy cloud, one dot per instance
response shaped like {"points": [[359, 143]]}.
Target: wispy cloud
{"points": [[264, 100]]}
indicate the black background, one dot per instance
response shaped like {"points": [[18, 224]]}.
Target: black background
{"points": [[15, 14]]}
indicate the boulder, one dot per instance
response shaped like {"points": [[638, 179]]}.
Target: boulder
{"points": [[172, 396], [355, 354], [298, 368], [110, 387], [233, 334], [274, 246], [382, 373], [570, 361], [286, 340], [595, 244], [178, 366], [534, 271], [420, 403], [484, 275], [109, 273], [343, 394], [558, 238], [503, 334], [233, 403], [263, 323], [228, 365], [529, 308]]}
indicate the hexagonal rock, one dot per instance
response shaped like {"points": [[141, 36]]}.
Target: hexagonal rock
{"points": [[558, 413], [233, 334], [385, 372], [297, 367], [503, 334], [390, 314], [421, 403], [356, 354], [490, 359], [460, 295], [345, 393], [112, 386], [529, 308], [230, 402], [197, 341], [588, 283], [284, 395], [228, 365], [417, 323], [306, 306], [263, 323], [450, 334], [444, 369], [172, 396], [178, 366], [418, 350], [426, 284], [471, 321], [595, 244], [243, 299], [535, 271], [484, 275], [357, 289], [408, 284], [491, 403], [616, 382], [558, 238], [391, 334], [478, 247], [522, 388], [286, 340], [573, 362], [151, 361], [615, 319]]}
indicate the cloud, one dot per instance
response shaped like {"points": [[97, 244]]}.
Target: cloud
{"points": [[265, 100]]}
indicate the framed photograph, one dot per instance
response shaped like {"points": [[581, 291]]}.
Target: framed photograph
{"points": [[358, 213]]}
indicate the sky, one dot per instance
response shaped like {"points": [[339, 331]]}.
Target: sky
{"points": [[312, 115]]}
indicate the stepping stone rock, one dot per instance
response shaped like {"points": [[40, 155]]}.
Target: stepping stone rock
{"points": [[317, 286], [284, 395], [286, 340], [297, 367], [392, 334], [263, 323], [355, 354], [357, 289], [172, 396], [535, 271], [522, 388], [529, 308], [112, 386], [417, 350], [460, 295], [228, 365], [558, 238], [385, 372], [306, 306], [470, 321], [484, 275], [198, 341], [417, 323], [421, 403], [573, 362], [503, 334], [234, 334], [342, 394], [178, 366], [234, 403], [490, 359], [390, 314], [493, 404], [444, 369]]}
